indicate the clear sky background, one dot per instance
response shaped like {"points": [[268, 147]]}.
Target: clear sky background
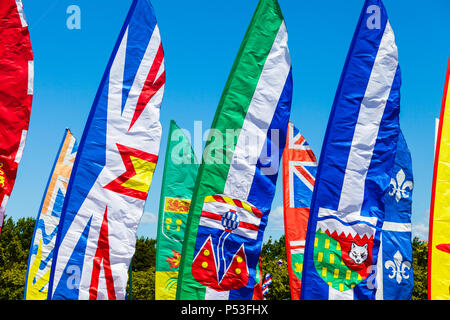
{"points": [[201, 39]]}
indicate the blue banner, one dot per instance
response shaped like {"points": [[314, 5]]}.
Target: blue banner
{"points": [[114, 167], [358, 152], [395, 279]]}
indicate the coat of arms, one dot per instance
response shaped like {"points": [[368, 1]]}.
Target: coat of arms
{"points": [[227, 228]]}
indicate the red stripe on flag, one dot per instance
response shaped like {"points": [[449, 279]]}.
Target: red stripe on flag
{"points": [[300, 140], [248, 226], [218, 198], [102, 254], [305, 174], [211, 215], [237, 203], [302, 155], [151, 87], [257, 212]]}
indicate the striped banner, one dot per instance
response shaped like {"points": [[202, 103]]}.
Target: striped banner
{"points": [[355, 166], [236, 181], [47, 222]]}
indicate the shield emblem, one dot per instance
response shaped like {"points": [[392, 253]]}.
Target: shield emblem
{"points": [[174, 218], [227, 227], [343, 252]]}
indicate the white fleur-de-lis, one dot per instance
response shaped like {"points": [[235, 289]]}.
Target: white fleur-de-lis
{"points": [[399, 267], [400, 187]]}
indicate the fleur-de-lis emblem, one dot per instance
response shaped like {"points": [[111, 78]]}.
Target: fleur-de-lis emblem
{"points": [[400, 188], [399, 267]]}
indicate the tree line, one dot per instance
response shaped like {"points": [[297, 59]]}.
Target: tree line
{"points": [[16, 238]]}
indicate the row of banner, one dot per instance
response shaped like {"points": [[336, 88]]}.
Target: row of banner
{"points": [[347, 216]]}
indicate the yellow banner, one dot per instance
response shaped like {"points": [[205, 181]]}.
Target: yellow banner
{"points": [[439, 237]]}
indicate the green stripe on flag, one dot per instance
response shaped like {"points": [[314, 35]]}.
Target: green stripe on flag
{"points": [[230, 115]]}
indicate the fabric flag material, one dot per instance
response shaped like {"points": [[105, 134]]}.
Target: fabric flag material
{"points": [[258, 291], [180, 171], [16, 93], [355, 165], [395, 279], [48, 220], [439, 234], [236, 181], [266, 283], [299, 174], [114, 167]]}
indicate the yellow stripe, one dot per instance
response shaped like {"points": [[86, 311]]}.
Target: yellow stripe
{"points": [[34, 290], [210, 199], [336, 273], [247, 206], [320, 257], [229, 200], [332, 258], [348, 274]]}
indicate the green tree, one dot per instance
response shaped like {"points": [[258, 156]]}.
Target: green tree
{"points": [[15, 243], [145, 254], [143, 266], [273, 261], [144, 284], [420, 269]]}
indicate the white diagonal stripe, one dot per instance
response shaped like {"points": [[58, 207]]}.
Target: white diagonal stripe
{"points": [[367, 126], [365, 136], [259, 116], [23, 140]]}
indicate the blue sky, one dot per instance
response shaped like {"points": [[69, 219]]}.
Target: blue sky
{"points": [[201, 39]]}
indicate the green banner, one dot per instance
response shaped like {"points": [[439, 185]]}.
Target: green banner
{"points": [[180, 171]]}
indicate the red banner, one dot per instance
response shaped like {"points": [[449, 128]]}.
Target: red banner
{"points": [[299, 171], [16, 93]]}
